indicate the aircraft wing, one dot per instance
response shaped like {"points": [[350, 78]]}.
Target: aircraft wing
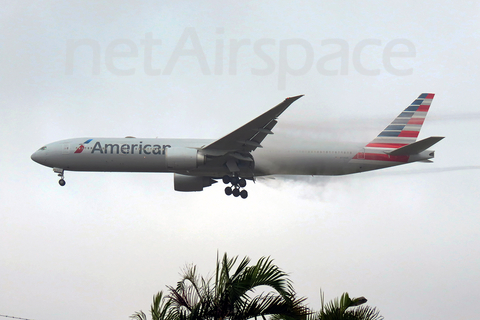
{"points": [[249, 136]]}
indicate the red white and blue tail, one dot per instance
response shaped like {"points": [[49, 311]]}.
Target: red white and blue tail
{"points": [[390, 146], [406, 127]]}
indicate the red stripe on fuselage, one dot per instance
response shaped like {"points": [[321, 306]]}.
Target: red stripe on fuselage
{"points": [[386, 145]]}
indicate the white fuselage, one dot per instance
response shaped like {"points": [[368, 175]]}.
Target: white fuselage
{"points": [[150, 155]]}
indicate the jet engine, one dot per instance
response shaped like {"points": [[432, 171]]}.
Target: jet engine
{"points": [[183, 158], [191, 183]]}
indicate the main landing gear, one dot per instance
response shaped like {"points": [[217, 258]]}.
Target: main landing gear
{"points": [[60, 174], [234, 189]]}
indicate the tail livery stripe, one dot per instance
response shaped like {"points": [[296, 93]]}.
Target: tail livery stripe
{"points": [[420, 108], [395, 127], [416, 121], [426, 96], [423, 108], [410, 134], [406, 126]]}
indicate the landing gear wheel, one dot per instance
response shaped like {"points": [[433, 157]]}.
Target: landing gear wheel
{"points": [[236, 192], [236, 185], [61, 182], [226, 179], [242, 183], [244, 194]]}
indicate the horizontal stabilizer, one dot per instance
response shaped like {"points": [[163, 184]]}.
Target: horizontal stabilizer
{"points": [[416, 147]]}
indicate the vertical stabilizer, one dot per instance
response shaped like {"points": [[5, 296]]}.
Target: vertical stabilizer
{"points": [[402, 132], [406, 127]]}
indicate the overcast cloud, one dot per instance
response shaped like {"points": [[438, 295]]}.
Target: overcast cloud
{"points": [[406, 238]]}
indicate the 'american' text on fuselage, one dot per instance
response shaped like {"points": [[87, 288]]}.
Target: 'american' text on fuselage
{"points": [[130, 148]]}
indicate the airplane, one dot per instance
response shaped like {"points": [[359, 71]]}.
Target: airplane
{"points": [[239, 156]]}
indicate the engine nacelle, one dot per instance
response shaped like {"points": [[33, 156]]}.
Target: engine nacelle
{"points": [[191, 183], [183, 158]]}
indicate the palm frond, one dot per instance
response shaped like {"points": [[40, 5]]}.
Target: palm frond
{"points": [[139, 315], [264, 273], [366, 313], [337, 309], [161, 307], [272, 304], [191, 290]]}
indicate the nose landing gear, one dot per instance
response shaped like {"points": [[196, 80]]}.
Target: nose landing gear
{"points": [[60, 171], [234, 189]]}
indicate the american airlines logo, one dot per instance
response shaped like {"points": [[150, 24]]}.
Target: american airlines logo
{"points": [[134, 148], [82, 147]]}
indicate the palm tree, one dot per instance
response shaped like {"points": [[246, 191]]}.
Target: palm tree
{"points": [[230, 294], [339, 309]]}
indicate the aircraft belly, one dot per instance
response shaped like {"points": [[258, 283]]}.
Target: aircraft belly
{"points": [[302, 164]]}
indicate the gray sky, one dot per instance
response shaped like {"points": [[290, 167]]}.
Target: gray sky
{"points": [[406, 238]]}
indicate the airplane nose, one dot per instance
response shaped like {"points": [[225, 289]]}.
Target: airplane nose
{"points": [[38, 157]]}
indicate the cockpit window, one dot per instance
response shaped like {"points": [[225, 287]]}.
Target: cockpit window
{"points": [[43, 148]]}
